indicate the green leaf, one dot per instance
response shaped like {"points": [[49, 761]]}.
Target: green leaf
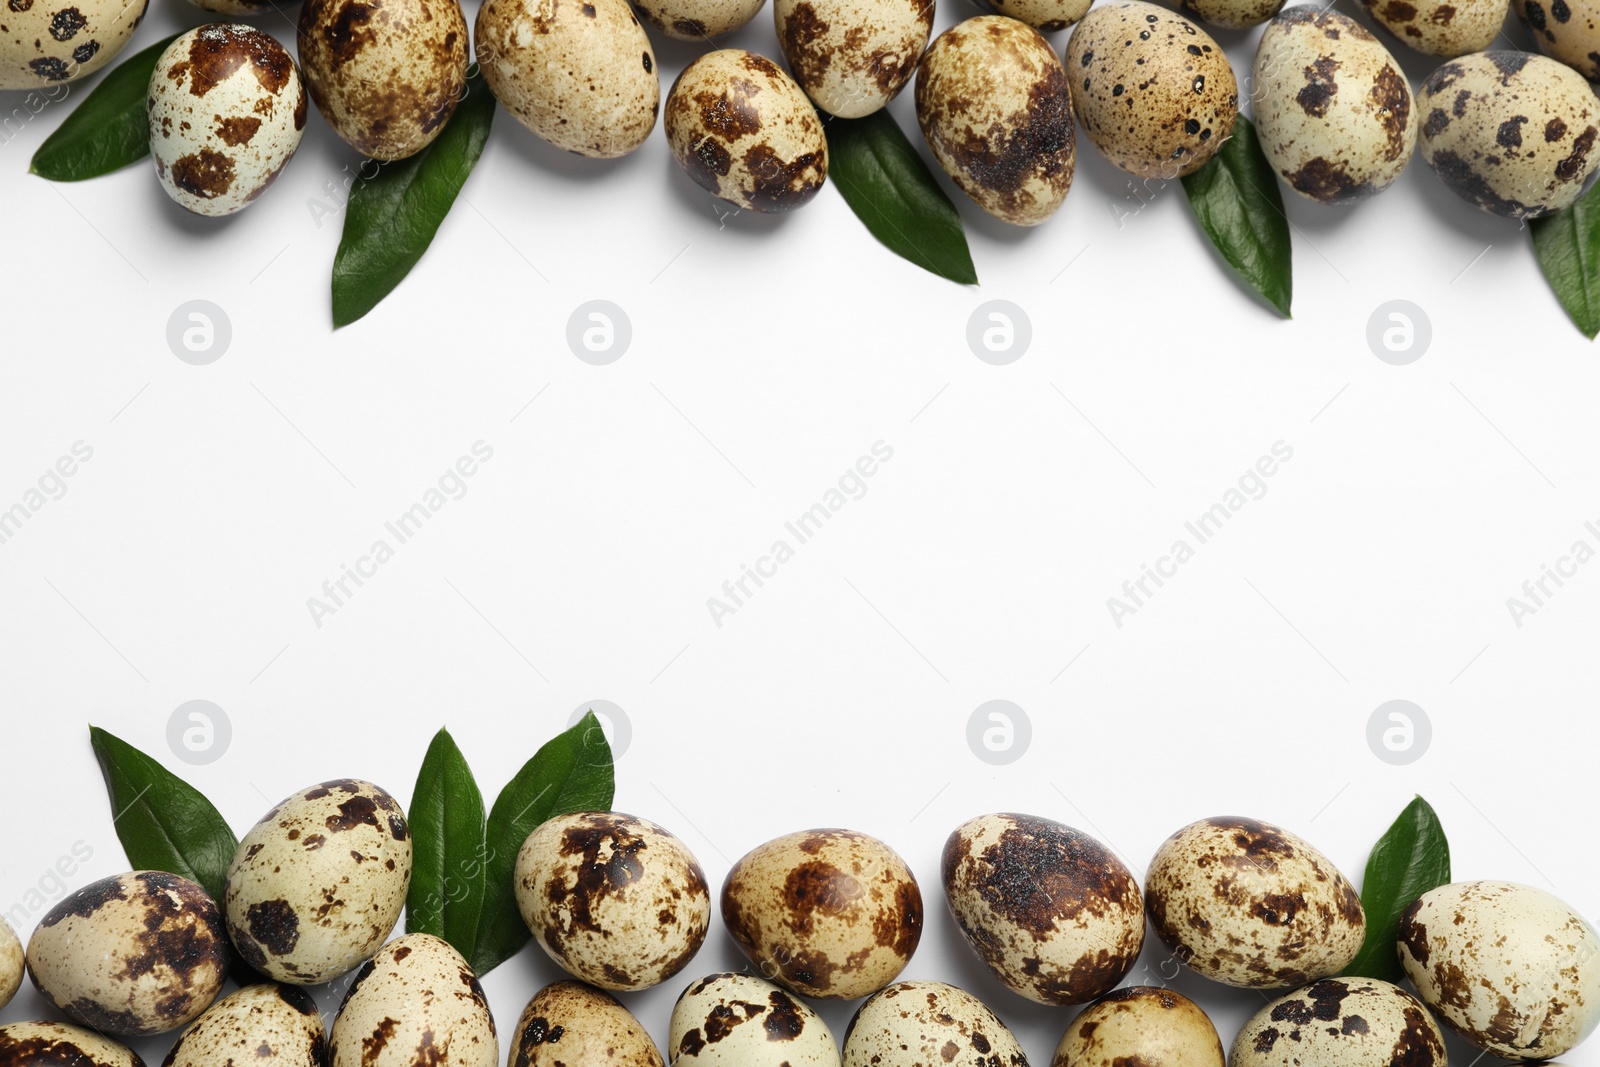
{"points": [[1410, 859], [572, 772], [391, 217], [1568, 246], [1237, 200], [109, 130], [447, 848], [890, 188]]}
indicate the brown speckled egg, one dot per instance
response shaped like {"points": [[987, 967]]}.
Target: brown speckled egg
{"points": [[131, 955], [1509, 967], [317, 885], [226, 109], [1511, 132], [744, 130], [266, 1025], [993, 104], [739, 1020], [1565, 30], [580, 75], [698, 20], [1441, 27], [1153, 91], [11, 963], [47, 41], [1248, 904], [929, 1024], [853, 56], [386, 74], [570, 1024], [415, 1003], [615, 899], [827, 913], [50, 1044], [1055, 915], [1232, 14], [1341, 1022], [1046, 16], [1334, 111], [1142, 1026]]}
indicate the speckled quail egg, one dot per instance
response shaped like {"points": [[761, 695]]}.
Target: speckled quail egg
{"points": [[1232, 14], [851, 56], [317, 885], [1140, 1026], [929, 1024], [1046, 16], [570, 1024], [1511, 132], [131, 955], [739, 1020], [1153, 91], [226, 109], [47, 41], [993, 104], [386, 74], [265, 1025], [416, 1002], [615, 899], [698, 20], [745, 131], [1510, 968], [1565, 30], [826, 913], [1055, 915], [51, 1044], [1341, 1022], [1248, 904], [1441, 27], [582, 76], [11, 963]]}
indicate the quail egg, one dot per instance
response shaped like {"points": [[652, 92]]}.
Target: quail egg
{"points": [[1055, 915], [739, 1020], [1334, 112], [386, 74], [1232, 14], [850, 56], [615, 899], [1341, 1022], [415, 1003], [1511, 132], [265, 1025], [47, 41], [744, 130], [1153, 91], [49, 1044], [570, 1024], [1248, 904], [698, 20], [993, 104], [1046, 16], [11, 963], [1441, 27], [317, 885], [827, 913], [929, 1024], [582, 76], [131, 955], [1140, 1026], [226, 109], [1510, 968], [1565, 30]]}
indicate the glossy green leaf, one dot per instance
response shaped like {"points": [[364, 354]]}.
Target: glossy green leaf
{"points": [[1568, 246], [1408, 860], [447, 848], [1239, 205], [109, 129]]}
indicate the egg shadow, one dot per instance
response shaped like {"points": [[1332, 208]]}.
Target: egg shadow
{"points": [[534, 151]]}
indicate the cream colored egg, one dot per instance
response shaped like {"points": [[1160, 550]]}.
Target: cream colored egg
{"points": [[929, 1024], [11, 963], [1046, 16], [1249, 904], [1153, 91], [1341, 1022], [1140, 1026], [743, 130], [1334, 112], [416, 1002], [616, 900], [580, 75], [853, 56], [51, 1044], [993, 105], [698, 20], [43, 42], [386, 74], [1511, 132], [1232, 14], [739, 1020], [1511, 968], [1051, 911], [318, 884], [1441, 27], [1565, 30], [570, 1024], [131, 955], [265, 1025]]}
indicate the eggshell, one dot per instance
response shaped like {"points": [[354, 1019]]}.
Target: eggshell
{"points": [[1232, 14], [739, 1020], [1441, 27], [11, 963], [1567, 31], [415, 1003], [265, 1025], [43, 42], [929, 1024], [1341, 1022], [1140, 1026], [853, 56], [1046, 16], [52, 1044], [698, 20], [570, 1024]]}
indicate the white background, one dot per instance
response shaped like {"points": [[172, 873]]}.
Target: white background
{"points": [[767, 356]]}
